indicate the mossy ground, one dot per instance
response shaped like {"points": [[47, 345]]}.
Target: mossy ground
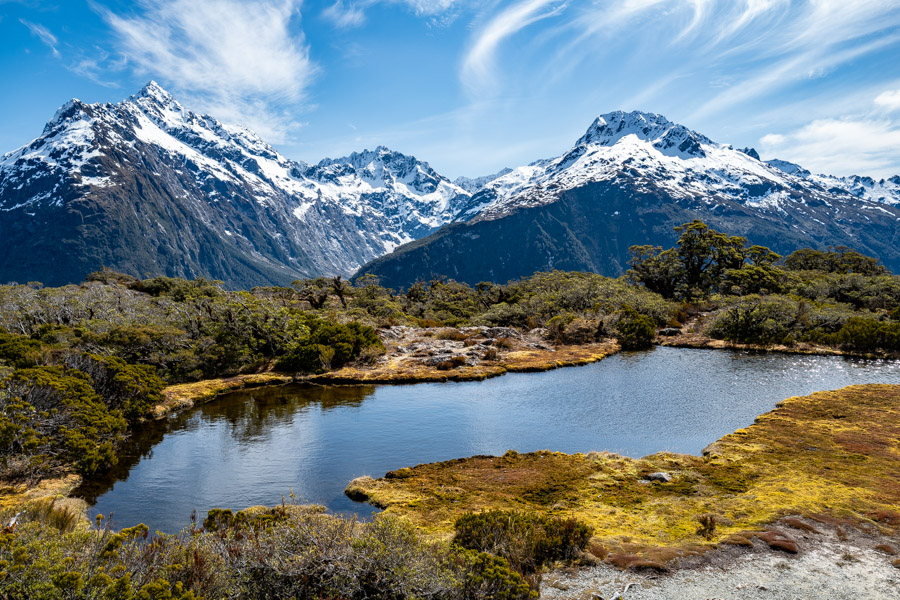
{"points": [[831, 453], [17, 495], [185, 395]]}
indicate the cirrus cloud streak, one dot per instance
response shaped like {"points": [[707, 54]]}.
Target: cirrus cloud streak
{"points": [[238, 60]]}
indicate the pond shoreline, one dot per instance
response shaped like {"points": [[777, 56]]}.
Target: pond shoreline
{"points": [[414, 355], [411, 357], [636, 554]]}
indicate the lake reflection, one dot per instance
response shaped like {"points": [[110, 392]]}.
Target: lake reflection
{"points": [[255, 446]]}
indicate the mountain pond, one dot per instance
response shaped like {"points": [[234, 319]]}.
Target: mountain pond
{"points": [[257, 446]]}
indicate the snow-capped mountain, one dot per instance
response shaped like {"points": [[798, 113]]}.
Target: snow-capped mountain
{"points": [[475, 184], [661, 156], [409, 193], [147, 186], [628, 181]]}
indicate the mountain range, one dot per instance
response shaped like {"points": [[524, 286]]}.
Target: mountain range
{"points": [[147, 187]]}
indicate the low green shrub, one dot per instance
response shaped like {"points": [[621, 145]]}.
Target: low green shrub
{"points": [[527, 540], [286, 552], [865, 334], [634, 331]]}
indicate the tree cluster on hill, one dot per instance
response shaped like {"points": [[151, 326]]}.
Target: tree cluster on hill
{"points": [[837, 297]]}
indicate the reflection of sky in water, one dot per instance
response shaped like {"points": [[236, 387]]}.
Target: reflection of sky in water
{"points": [[255, 446]]}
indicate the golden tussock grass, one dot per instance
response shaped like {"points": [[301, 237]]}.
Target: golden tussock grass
{"points": [[186, 395]]}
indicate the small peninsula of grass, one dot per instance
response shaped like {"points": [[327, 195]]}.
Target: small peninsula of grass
{"points": [[830, 455]]}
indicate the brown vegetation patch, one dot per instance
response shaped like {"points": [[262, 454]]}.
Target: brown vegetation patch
{"points": [[887, 549], [778, 540], [14, 495], [799, 524], [634, 562]]}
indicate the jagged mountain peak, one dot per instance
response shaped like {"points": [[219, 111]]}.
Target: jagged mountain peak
{"points": [[751, 152], [153, 90], [384, 167], [71, 111], [788, 167], [668, 137], [474, 184], [381, 154]]}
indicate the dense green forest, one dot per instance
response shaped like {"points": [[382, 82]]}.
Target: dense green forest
{"points": [[82, 365]]}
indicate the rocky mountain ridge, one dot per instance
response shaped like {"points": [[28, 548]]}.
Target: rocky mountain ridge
{"points": [[149, 187]]}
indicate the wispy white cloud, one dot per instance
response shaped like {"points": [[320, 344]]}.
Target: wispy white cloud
{"points": [[767, 45], [816, 38], [840, 146], [860, 144], [888, 100], [428, 7], [478, 72], [244, 61], [352, 13], [43, 34], [97, 66], [344, 17]]}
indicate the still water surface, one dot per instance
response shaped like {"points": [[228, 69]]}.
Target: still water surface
{"points": [[254, 447]]}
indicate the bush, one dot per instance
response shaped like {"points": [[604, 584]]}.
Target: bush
{"points": [[867, 334], [17, 351], [634, 331], [528, 541], [52, 418], [753, 320], [490, 576], [329, 345]]}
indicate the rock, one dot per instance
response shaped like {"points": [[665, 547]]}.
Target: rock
{"points": [[660, 476], [670, 331], [356, 489], [501, 332]]}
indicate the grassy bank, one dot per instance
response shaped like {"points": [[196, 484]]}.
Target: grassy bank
{"points": [[830, 455], [396, 367]]}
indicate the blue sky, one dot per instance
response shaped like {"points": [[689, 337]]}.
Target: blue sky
{"points": [[473, 86]]}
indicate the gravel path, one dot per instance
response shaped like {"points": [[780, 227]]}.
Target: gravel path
{"points": [[825, 568]]}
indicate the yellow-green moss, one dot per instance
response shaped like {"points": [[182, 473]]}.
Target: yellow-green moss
{"points": [[185, 395], [14, 495], [835, 453]]}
